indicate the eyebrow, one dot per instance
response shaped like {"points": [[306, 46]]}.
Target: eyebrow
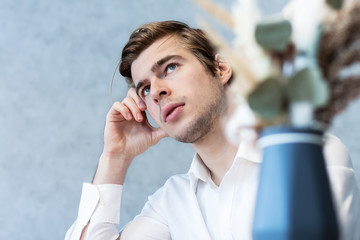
{"points": [[154, 68], [163, 60]]}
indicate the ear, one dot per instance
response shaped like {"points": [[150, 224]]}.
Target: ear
{"points": [[224, 70]]}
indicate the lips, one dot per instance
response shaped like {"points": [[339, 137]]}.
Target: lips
{"points": [[171, 111]]}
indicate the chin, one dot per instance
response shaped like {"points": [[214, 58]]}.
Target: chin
{"points": [[191, 134]]}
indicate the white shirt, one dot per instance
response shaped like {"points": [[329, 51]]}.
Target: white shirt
{"points": [[191, 206]]}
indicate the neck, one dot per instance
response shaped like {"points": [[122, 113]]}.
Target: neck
{"points": [[217, 153]]}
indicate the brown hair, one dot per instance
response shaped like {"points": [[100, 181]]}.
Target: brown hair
{"points": [[192, 39]]}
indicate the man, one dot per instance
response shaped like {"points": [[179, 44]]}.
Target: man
{"points": [[176, 75]]}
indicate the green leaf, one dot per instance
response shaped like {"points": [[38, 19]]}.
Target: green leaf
{"points": [[267, 99], [308, 85], [337, 4], [273, 34]]}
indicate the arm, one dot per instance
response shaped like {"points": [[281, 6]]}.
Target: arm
{"points": [[127, 134]]}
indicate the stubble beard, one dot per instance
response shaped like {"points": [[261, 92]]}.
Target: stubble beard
{"points": [[205, 122]]}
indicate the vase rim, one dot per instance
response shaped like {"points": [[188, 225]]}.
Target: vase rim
{"points": [[290, 137], [290, 129]]}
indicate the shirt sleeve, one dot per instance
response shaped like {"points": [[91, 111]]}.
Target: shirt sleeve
{"points": [[99, 205], [150, 224], [344, 187], [145, 228]]}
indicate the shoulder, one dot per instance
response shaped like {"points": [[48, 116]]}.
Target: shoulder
{"points": [[175, 192], [344, 186], [178, 180], [335, 152], [174, 185]]}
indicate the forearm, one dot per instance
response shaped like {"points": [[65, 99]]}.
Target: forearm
{"points": [[125, 136], [111, 169]]}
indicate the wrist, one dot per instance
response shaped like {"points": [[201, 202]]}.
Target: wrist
{"points": [[111, 169]]}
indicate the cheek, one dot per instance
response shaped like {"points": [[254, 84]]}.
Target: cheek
{"points": [[191, 77], [197, 79]]}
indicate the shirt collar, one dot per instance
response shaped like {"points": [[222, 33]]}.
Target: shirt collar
{"points": [[198, 170]]}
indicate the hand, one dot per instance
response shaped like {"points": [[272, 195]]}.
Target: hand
{"points": [[127, 134]]}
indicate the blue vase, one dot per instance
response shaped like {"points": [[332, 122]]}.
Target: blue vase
{"points": [[294, 200]]}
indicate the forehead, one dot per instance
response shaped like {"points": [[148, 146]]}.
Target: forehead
{"points": [[161, 48]]}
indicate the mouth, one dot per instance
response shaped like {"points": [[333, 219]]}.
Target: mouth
{"points": [[172, 111]]}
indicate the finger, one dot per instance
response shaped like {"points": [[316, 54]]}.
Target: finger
{"points": [[132, 94], [119, 108], [134, 108], [157, 133]]}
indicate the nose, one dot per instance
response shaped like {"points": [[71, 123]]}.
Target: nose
{"points": [[159, 89]]}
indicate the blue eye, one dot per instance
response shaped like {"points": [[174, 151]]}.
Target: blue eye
{"points": [[170, 68], [145, 91]]}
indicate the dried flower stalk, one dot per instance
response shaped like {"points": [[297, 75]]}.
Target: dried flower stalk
{"points": [[339, 51], [217, 11]]}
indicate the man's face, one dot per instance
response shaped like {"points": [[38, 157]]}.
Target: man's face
{"points": [[182, 97]]}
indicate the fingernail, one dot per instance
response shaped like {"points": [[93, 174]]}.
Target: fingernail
{"points": [[142, 105], [139, 116]]}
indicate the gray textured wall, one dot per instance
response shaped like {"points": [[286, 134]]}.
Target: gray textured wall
{"points": [[56, 63]]}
